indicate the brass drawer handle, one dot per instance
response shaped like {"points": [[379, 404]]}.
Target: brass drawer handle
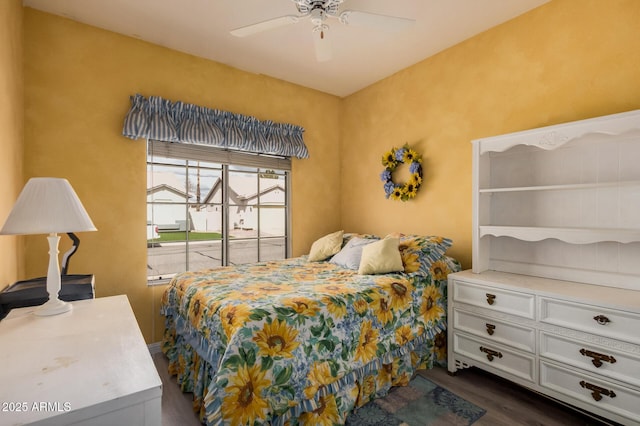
{"points": [[490, 329], [490, 353], [491, 298], [598, 358], [602, 320], [597, 391]]}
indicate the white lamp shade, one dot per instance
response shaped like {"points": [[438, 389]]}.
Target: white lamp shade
{"points": [[47, 205]]}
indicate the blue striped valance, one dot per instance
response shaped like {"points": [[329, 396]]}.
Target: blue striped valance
{"points": [[163, 120]]}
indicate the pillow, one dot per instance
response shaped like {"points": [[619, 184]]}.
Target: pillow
{"points": [[419, 252], [326, 246], [350, 255], [381, 257], [349, 235], [395, 235]]}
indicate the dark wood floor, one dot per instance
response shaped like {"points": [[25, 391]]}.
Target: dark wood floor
{"points": [[506, 404]]}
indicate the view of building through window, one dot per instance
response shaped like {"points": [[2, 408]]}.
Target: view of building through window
{"points": [[206, 214]]}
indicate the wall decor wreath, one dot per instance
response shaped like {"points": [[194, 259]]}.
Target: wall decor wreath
{"points": [[391, 160]]}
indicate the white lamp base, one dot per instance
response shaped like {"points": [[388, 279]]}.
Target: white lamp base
{"points": [[53, 307]]}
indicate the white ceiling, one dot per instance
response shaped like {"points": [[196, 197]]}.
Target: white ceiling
{"points": [[361, 56]]}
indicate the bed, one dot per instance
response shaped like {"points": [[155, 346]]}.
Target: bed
{"points": [[306, 342]]}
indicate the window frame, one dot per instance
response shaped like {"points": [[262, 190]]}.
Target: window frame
{"points": [[227, 159]]}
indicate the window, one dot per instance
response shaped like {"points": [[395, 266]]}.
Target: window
{"points": [[209, 207]]}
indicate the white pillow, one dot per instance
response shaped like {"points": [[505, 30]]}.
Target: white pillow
{"points": [[326, 246], [381, 257], [350, 255]]}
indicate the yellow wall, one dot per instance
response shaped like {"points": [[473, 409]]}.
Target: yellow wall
{"points": [[11, 139], [564, 61], [78, 80], [567, 60]]}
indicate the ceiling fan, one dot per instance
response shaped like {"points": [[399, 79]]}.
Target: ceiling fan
{"points": [[318, 11]]}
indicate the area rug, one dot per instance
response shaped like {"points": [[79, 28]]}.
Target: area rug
{"points": [[422, 403]]}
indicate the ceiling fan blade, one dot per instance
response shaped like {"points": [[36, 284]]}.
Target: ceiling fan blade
{"points": [[322, 44], [381, 22], [265, 25]]}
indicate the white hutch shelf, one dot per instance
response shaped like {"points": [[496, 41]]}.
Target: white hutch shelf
{"points": [[568, 235], [561, 198], [553, 299]]}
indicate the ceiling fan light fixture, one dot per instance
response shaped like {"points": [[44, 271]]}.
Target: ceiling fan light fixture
{"points": [[318, 16]]}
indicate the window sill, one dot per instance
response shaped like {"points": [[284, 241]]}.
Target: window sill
{"points": [[153, 283]]}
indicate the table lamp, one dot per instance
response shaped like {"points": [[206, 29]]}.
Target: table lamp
{"points": [[47, 206]]}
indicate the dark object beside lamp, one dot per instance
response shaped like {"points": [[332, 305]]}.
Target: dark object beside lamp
{"points": [[48, 206]]}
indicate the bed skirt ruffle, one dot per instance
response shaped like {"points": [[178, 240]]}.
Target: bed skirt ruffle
{"points": [[332, 403]]}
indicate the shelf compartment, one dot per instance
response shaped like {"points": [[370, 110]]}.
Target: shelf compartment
{"points": [[568, 235], [596, 163], [604, 263]]}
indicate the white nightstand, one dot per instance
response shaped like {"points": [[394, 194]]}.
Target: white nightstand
{"points": [[89, 366]]}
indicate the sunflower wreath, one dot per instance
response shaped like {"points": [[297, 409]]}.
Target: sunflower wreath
{"points": [[390, 161]]}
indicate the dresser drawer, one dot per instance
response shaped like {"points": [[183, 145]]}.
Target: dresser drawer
{"points": [[597, 359], [494, 330], [592, 319], [591, 390], [505, 301], [495, 355]]}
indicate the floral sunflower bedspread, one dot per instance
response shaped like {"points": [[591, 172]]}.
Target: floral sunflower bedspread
{"points": [[299, 342]]}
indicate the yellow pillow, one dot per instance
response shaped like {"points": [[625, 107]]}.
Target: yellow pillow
{"points": [[381, 257], [326, 246]]}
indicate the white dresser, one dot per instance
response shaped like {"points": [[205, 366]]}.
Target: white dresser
{"points": [[89, 366], [553, 300]]}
